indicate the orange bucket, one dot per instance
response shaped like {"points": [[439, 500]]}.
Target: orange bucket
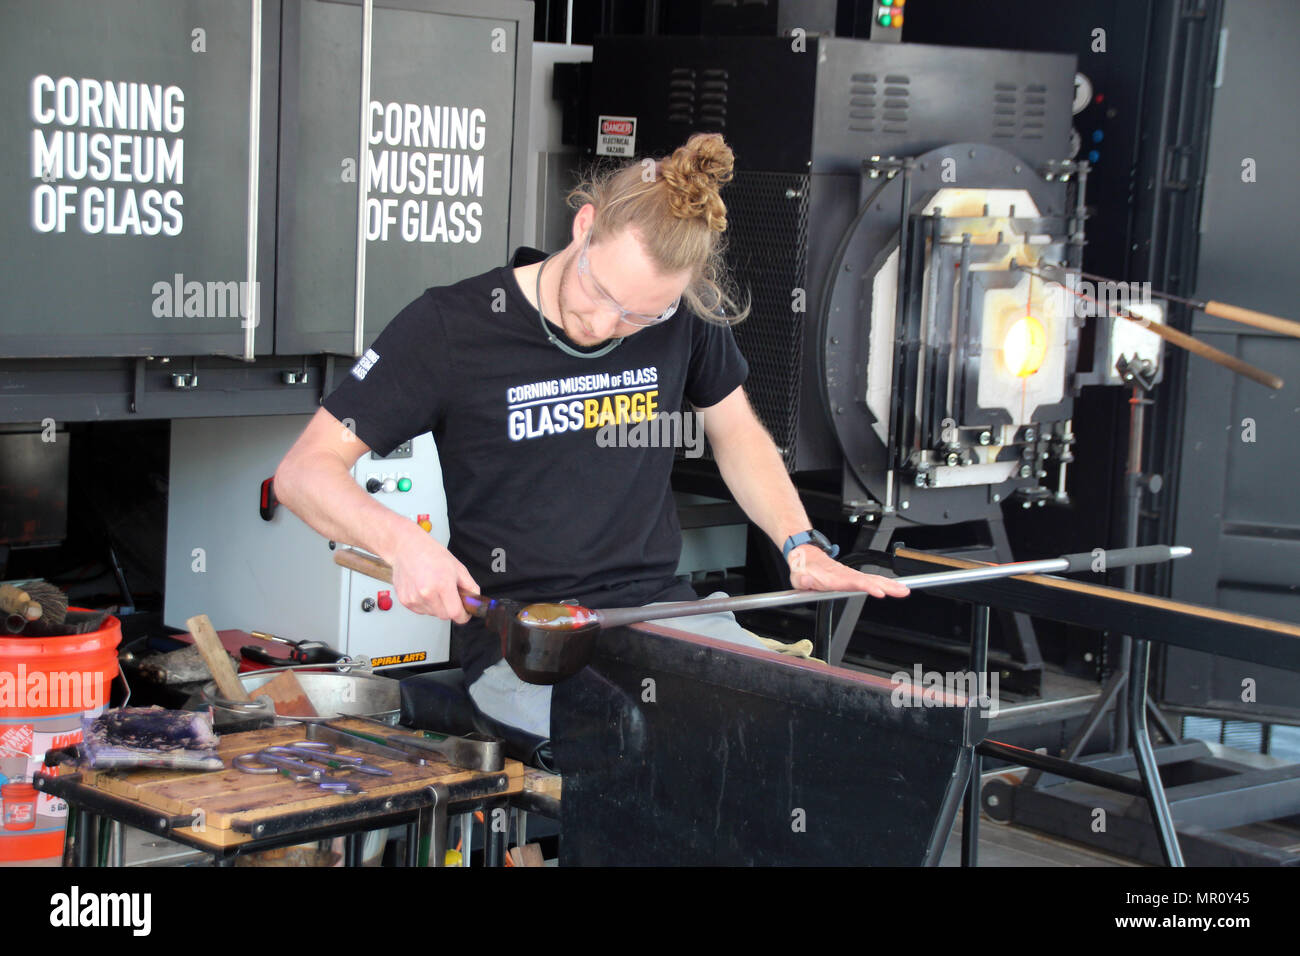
{"points": [[47, 684]]}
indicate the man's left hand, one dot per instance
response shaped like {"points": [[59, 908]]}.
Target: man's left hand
{"points": [[812, 569]]}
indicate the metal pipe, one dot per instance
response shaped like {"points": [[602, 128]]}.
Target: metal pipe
{"points": [[1061, 768], [617, 617], [979, 657], [359, 304], [1153, 788], [254, 161], [1259, 320], [1171, 335]]}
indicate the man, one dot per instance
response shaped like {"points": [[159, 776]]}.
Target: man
{"points": [[516, 372]]}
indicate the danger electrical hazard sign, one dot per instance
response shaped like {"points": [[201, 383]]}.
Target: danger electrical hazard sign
{"points": [[616, 136]]}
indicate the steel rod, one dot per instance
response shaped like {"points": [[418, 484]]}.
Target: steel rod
{"points": [[979, 660], [1148, 770], [1222, 310], [617, 617]]}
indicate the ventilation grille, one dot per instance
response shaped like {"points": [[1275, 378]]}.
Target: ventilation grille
{"points": [[879, 104], [767, 251], [1019, 113], [698, 98]]}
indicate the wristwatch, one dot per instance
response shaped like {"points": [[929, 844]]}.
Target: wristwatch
{"points": [[811, 536]]}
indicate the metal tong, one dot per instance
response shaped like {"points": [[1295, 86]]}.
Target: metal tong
{"points": [[474, 751], [295, 761]]}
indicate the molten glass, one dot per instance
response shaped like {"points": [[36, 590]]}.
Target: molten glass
{"points": [[1025, 347], [556, 617]]}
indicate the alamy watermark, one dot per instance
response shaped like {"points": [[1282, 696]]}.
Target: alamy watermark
{"points": [[191, 299], [918, 688], [1101, 299], [683, 430], [61, 690], [132, 911]]}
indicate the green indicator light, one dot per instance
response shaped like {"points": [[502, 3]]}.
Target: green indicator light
{"points": [[884, 18], [404, 484]]}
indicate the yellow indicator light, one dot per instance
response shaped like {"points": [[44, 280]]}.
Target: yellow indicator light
{"points": [[1025, 346]]}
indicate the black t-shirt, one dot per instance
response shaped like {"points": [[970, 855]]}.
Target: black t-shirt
{"points": [[538, 509]]}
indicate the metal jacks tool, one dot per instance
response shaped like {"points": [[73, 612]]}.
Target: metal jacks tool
{"points": [[281, 760]]}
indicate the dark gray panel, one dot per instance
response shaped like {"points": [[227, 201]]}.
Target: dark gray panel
{"points": [[443, 61], [321, 100], [425, 59], [72, 390], [1248, 235], [90, 289], [1237, 504], [908, 99], [1263, 461]]}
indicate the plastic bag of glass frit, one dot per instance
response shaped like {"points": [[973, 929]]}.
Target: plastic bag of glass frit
{"points": [[149, 737]]}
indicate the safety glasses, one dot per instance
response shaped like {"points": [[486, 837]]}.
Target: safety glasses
{"points": [[598, 295]]}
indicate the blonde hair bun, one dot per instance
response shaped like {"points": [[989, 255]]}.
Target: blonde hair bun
{"points": [[677, 215], [694, 174]]}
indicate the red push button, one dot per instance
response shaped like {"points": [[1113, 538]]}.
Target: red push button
{"points": [[385, 601]]}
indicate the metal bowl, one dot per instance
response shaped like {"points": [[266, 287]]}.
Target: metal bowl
{"points": [[360, 694]]}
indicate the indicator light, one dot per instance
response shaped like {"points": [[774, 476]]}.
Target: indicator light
{"points": [[403, 484]]}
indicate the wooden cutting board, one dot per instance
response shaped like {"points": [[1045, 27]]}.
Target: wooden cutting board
{"points": [[225, 796]]}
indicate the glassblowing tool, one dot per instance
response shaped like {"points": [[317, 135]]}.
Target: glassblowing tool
{"points": [[474, 751], [268, 761], [1059, 276], [326, 732], [325, 754], [1233, 313], [545, 643], [560, 617]]}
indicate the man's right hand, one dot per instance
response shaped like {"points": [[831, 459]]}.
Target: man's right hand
{"points": [[315, 482], [428, 579]]}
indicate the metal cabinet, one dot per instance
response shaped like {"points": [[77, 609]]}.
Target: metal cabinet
{"points": [[1237, 506], [426, 169], [189, 178], [138, 179]]}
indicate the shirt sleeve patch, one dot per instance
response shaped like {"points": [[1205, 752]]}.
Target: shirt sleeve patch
{"points": [[365, 364]]}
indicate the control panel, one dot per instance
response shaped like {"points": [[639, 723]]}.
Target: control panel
{"points": [[408, 481], [887, 21], [237, 555]]}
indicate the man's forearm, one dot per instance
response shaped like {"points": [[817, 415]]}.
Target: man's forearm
{"points": [[320, 490], [755, 473]]}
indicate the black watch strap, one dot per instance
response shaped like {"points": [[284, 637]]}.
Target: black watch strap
{"points": [[811, 536]]}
